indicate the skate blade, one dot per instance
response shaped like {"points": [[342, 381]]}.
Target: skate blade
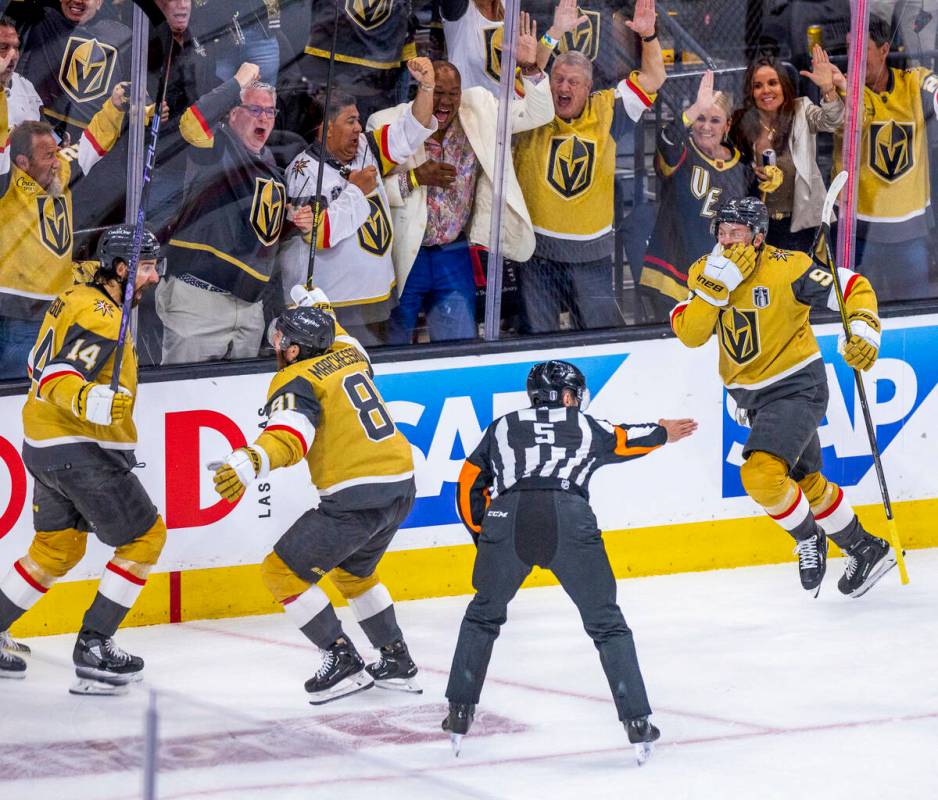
{"points": [[13, 675], [351, 685], [881, 569], [87, 686], [455, 740], [643, 751], [112, 678], [400, 685]]}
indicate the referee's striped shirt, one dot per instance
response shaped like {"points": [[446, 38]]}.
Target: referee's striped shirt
{"points": [[549, 447]]}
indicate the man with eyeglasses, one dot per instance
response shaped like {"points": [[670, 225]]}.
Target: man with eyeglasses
{"points": [[221, 254]]}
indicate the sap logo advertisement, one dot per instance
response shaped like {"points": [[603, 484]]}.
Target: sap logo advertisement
{"points": [[444, 412], [906, 360]]}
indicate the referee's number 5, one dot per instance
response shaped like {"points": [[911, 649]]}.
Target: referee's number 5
{"points": [[543, 433]]}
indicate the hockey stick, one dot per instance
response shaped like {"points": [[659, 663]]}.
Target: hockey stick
{"points": [[836, 186], [148, 164], [317, 202]]}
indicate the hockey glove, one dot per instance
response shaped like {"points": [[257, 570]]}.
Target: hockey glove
{"points": [[773, 179], [240, 470], [96, 403], [862, 348], [302, 296], [723, 272]]}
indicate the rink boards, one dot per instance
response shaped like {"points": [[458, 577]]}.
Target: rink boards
{"points": [[680, 508]]}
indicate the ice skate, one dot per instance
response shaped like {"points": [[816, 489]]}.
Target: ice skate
{"points": [[867, 562], [12, 646], [102, 667], [643, 735], [341, 673], [395, 669], [458, 722], [812, 560], [11, 666]]}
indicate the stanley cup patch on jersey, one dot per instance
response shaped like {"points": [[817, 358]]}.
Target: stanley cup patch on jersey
{"points": [[891, 151], [86, 69], [739, 334], [368, 14], [267, 209], [492, 38], [570, 164], [55, 228], [374, 235], [585, 37], [760, 296]]}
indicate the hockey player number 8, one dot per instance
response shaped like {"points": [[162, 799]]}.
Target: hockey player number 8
{"points": [[372, 414]]}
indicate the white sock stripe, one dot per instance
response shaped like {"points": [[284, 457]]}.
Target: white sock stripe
{"points": [[838, 518], [18, 591], [372, 602], [793, 518], [306, 606], [118, 588]]}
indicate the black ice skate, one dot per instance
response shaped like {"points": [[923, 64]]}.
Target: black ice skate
{"points": [[643, 735], [395, 669], [11, 666], [458, 722], [342, 672], [867, 562], [12, 646], [102, 667], [812, 560]]}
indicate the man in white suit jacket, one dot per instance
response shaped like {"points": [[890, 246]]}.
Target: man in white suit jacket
{"points": [[441, 202]]}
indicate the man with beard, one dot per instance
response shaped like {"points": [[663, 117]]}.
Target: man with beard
{"points": [[79, 440], [36, 208], [322, 406], [75, 57], [354, 235]]}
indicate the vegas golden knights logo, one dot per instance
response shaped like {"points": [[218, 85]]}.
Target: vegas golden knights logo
{"points": [[739, 334], [267, 209], [570, 165], [55, 228], [493, 52], [374, 235], [369, 14], [585, 37], [891, 149], [87, 66]]}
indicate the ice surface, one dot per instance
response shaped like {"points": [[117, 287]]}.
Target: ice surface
{"points": [[760, 692]]}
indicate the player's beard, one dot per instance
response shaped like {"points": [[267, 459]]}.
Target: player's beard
{"points": [[55, 189]]}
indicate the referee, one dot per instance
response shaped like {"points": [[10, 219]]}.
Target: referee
{"points": [[523, 496]]}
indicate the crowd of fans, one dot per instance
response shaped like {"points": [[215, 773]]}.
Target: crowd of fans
{"points": [[400, 230]]}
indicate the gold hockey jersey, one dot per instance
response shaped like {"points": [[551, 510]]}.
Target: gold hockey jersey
{"points": [[894, 191], [327, 409], [76, 344], [764, 333]]}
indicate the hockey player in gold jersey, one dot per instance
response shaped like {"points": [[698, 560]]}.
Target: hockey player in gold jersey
{"points": [[79, 439], [322, 406], [757, 298]]}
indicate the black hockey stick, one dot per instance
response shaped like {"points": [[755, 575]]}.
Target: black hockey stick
{"points": [[148, 165], [825, 229], [318, 208]]}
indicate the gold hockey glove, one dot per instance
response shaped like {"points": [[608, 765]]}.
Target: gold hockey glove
{"points": [[861, 350], [723, 272], [239, 471]]}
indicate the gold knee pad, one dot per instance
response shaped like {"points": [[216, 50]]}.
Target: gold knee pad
{"points": [[280, 580], [821, 493], [351, 586], [765, 479], [53, 553], [140, 555]]}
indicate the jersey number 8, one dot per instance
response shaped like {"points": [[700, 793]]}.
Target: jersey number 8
{"points": [[372, 414]]}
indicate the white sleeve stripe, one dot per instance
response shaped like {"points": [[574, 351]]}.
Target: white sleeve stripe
{"points": [[296, 422]]}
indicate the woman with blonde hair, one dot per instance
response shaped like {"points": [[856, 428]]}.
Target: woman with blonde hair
{"points": [[697, 170]]}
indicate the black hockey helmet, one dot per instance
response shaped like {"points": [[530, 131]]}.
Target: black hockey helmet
{"points": [[547, 380], [748, 211], [312, 328], [117, 243]]}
